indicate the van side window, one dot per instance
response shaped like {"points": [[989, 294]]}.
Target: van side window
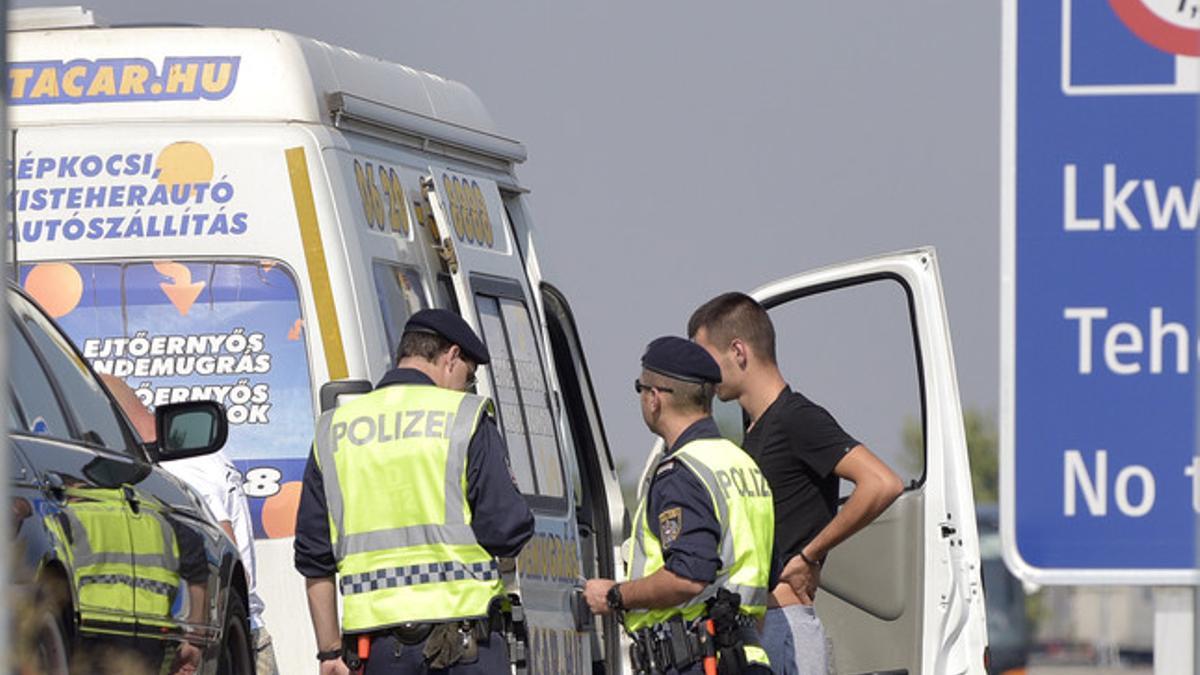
{"points": [[508, 401], [522, 394], [401, 293], [445, 297]]}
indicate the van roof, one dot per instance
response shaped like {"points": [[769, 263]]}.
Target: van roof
{"points": [[84, 74]]}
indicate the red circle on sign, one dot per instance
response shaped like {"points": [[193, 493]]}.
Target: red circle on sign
{"points": [[1155, 30]]}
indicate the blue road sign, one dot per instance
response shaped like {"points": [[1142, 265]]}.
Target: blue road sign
{"points": [[1100, 481]]}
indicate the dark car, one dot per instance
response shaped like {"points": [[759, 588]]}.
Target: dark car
{"points": [[116, 565]]}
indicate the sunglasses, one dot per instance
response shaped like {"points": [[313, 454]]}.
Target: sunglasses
{"points": [[639, 387]]}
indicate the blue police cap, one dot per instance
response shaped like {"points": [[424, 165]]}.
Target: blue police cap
{"points": [[452, 327], [681, 359]]}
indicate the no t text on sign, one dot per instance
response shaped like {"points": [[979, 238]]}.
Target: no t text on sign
{"points": [[1100, 481]]}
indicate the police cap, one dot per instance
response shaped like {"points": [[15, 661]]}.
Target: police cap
{"points": [[452, 327], [681, 359]]}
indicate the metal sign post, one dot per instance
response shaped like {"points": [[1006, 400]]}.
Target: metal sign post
{"points": [[1100, 478]]}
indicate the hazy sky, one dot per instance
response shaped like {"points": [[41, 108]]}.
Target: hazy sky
{"points": [[680, 149]]}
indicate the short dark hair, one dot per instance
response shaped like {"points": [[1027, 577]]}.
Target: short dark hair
{"points": [[735, 315], [685, 396], [428, 346]]}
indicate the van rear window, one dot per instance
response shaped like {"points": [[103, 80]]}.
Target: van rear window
{"points": [[401, 293], [522, 395], [224, 330]]}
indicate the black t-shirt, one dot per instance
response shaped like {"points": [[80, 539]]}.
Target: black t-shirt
{"points": [[797, 443]]}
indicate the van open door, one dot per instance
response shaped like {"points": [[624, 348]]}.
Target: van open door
{"points": [[599, 511], [903, 595], [492, 290]]}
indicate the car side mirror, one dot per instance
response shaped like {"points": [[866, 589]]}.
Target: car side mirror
{"points": [[189, 429]]}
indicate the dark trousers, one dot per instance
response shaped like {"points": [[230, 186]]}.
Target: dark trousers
{"points": [[389, 657]]}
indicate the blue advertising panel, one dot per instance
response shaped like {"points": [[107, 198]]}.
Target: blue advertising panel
{"points": [[1099, 480], [224, 330]]}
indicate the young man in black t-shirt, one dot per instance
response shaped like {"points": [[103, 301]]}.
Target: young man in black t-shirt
{"points": [[803, 453]]}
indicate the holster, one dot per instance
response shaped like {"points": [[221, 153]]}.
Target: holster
{"points": [[350, 653], [732, 631], [458, 641], [671, 644], [452, 643], [412, 633]]}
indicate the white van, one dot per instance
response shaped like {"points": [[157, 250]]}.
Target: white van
{"points": [[246, 215]]}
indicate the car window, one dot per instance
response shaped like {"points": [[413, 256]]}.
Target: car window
{"points": [[82, 393], [32, 391]]}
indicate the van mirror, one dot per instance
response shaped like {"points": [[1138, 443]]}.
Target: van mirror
{"points": [[337, 392], [190, 429]]}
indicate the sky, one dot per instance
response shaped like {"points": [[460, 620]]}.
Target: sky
{"points": [[681, 149]]}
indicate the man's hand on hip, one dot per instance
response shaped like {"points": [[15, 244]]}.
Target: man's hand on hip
{"points": [[802, 578]]}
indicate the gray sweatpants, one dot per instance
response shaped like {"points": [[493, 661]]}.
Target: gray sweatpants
{"points": [[795, 641]]}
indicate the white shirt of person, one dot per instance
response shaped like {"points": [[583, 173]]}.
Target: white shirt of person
{"points": [[219, 484]]}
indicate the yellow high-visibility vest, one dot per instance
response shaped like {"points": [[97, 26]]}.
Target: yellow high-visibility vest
{"points": [[742, 501], [108, 574], [394, 464]]}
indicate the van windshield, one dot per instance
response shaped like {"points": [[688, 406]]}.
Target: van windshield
{"points": [[223, 330]]}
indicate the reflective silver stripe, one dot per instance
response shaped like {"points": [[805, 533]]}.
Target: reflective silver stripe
{"points": [[415, 575], [86, 557], [323, 440], [454, 531], [755, 596], [80, 543], [728, 555], [152, 560], [168, 560], [637, 566], [413, 535], [461, 431], [155, 560], [108, 558]]}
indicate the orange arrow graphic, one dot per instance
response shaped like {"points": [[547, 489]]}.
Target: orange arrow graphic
{"points": [[294, 333], [181, 291]]}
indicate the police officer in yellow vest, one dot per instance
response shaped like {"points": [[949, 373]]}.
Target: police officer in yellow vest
{"points": [[703, 531], [409, 499]]}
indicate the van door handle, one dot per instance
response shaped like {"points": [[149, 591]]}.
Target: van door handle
{"points": [[583, 613], [131, 498], [54, 486], [585, 527]]}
